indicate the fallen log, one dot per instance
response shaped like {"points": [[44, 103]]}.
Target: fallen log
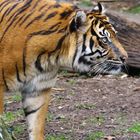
{"points": [[129, 36]]}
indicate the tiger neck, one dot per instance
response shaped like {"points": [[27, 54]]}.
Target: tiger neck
{"points": [[67, 51]]}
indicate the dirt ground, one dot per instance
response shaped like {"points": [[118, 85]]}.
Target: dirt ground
{"points": [[99, 104], [81, 107], [85, 108]]}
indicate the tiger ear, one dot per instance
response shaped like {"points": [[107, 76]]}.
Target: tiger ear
{"points": [[99, 9], [78, 21]]}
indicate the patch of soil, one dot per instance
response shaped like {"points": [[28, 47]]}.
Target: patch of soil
{"points": [[85, 100], [80, 106]]}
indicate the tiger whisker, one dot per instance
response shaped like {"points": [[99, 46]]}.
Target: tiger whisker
{"points": [[97, 68], [126, 68]]}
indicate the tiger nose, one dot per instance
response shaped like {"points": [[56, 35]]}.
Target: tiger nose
{"points": [[123, 58]]}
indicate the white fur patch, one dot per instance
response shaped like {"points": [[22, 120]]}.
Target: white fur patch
{"points": [[82, 16], [32, 103], [40, 82], [96, 8], [80, 66]]}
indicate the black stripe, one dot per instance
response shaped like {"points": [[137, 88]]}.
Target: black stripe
{"points": [[17, 73], [6, 30], [93, 32], [11, 9], [4, 4], [62, 30], [92, 53], [35, 4], [24, 61], [27, 113], [65, 14], [7, 12], [19, 20], [55, 25], [4, 80], [38, 63], [20, 10], [26, 17], [42, 7], [83, 60], [101, 25], [42, 32], [74, 57], [50, 16], [84, 41], [4, 14], [104, 31], [57, 5], [59, 44], [98, 51], [96, 22], [73, 26], [91, 43], [35, 19]]}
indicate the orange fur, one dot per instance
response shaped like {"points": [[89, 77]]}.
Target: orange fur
{"points": [[15, 39]]}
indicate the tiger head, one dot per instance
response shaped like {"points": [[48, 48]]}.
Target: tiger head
{"points": [[98, 50]]}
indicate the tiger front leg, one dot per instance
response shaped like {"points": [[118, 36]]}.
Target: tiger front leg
{"points": [[35, 108]]}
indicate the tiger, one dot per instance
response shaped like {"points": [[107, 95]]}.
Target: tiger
{"points": [[38, 37]]}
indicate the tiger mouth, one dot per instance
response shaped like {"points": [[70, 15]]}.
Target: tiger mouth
{"points": [[107, 67], [116, 62]]}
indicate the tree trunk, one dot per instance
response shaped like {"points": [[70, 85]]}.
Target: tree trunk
{"points": [[129, 36]]}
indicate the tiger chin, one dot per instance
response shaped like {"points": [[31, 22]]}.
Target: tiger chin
{"points": [[37, 37]]}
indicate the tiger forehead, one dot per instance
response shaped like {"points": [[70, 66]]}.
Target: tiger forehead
{"points": [[98, 16], [102, 20], [99, 19]]}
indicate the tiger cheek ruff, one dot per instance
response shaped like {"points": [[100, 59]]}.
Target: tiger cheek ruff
{"points": [[37, 37]]}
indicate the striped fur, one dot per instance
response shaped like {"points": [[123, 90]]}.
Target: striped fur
{"points": [[37, 37]]}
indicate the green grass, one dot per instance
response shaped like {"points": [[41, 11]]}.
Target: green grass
{"points": [[18, 129], [85, 3], [135, 10], [50, 117], [121, 118], [56, 137], [95, 136], [97, 120], [85, 106], [135, 128], [9, 117], [63, 72], [16, 98], [71, 81], [19, 112]]}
